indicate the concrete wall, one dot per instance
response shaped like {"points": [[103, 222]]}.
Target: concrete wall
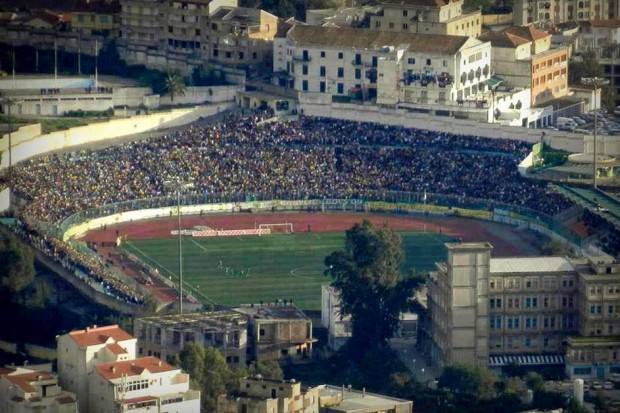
{"points": [[22, 134], [105, 130], [570, 142], [202, 94]]}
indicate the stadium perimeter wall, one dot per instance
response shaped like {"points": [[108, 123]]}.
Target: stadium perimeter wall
{"points": [[502, 216], [5, 200], [570, 142], [102, 131]]}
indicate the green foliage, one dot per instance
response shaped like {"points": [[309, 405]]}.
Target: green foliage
{"points": [[174, 84], [575, 407], [470, 381], [269, 369], [150, 305], [552, 157], [16, 266], [209, 373], [534, 381], [554, 248], [367, 275]]}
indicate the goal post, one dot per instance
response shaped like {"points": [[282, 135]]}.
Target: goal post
{"points": [[280, 228]]}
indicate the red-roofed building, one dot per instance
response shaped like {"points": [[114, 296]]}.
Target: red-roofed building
{"points": [[81, 350], [25, 390], [143, 383]]}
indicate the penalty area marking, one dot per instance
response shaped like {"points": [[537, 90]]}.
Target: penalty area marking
{"points": [[202, 247]]}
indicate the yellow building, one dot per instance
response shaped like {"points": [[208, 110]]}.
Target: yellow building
{"points": [[427, 16], [523, 57], [98, 17]]}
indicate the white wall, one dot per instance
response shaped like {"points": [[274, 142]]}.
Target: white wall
{"points": [[5, 200], [570, 142], [202, 94], [102, 131]]}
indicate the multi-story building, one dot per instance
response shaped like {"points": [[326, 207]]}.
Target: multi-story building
{"points": [[338, 326], [256, 394], [186, 34], [143, 384], [79, 351], [427, 16], [550, 12], [524, 310], [96, 17], [241, 36], [278, 332], [141, 31], [459, 306], [388, 67], [31, 389], [532, 305], [165, 336], [523, 57]]}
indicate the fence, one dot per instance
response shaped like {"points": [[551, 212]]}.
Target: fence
{"points": [[370, 201]]}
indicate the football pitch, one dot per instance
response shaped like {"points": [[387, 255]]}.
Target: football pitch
{"points": [[250, 269]]}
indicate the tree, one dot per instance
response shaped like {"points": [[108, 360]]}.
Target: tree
{"points": [[367, 275], [534, 381], [575, 407], [16, 266], [590, 67], [174, 85], [475, 382], [209, 373], [269, 369]]}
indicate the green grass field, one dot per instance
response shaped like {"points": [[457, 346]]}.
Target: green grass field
{"points": [[249, 269]]}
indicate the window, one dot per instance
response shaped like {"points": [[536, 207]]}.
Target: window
{"points": [[170, 30], [340, 88], [428, 62], [358, 74], [304, 85], [411, 60], [322, 87], [358, 59], [322, 53], [391, 25], [228, 55], [304, 69], [341, 72], [405, 26], [241, 55], [340, 55], [405, 13], [304, 55], [197, 32], [322, 71]]}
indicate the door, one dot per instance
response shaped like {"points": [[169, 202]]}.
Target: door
{"points": [[600, 372]]}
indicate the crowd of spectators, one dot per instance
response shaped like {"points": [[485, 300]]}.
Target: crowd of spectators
{"points": [[251, 154], [307, 157], [90, 268]]}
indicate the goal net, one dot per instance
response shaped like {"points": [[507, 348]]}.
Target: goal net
{"points": [[283, 228]]}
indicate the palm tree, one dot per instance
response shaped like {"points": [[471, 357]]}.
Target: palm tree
{"points": [[174, 85]]}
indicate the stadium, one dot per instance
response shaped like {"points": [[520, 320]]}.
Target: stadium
{"points": [[259, 202]]}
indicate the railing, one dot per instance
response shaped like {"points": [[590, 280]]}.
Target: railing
{"points": [[403, 202]]}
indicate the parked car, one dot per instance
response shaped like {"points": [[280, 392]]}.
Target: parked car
{"points": [[608, 385]]}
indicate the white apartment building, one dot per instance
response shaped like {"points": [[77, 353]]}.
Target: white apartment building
{"points": [[550, 12], [338, 326], [33, 390], [80, 351], [388, 67], [142, 385]]}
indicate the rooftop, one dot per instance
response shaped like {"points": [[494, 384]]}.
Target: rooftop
{"points": [[211, 319], [609, 23], [99, 335], [414, 3], [275, 311], [115, 370], [24, 381], [513, 36], [359, 401], [530, 265], [347, 37]]}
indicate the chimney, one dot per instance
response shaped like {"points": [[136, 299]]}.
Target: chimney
{"points": [[159, 363], [113, 369]]}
